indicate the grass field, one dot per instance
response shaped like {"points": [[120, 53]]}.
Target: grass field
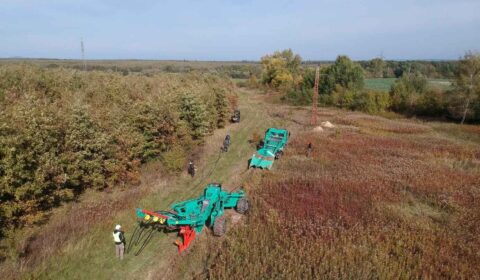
{"points": [[380, 84], [440, 83], [378, 199], [384, 84]]}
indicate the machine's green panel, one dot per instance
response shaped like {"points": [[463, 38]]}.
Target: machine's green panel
{"points": [[196, 212], [274, 143]]}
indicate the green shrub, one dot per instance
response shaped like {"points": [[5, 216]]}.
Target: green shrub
{"points": [[344, 73], [194, 113], [175, 159], [432, 103], [221, 107], [87, 153], [31, 165], [372, 102], [367, 101], [280, 69], [343, 98], [405, 91], [298, 97], [155, 125]]}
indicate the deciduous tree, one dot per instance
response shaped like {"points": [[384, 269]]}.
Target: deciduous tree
{"points": [[281, 69], [467, 83], [193, 111], [377, 66], [405, 90], [345, 73]]}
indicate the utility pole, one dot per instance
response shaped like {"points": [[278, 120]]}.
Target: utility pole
{"points": [[313, 120], [83, 55]]}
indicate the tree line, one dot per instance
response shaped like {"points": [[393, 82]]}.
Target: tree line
{"points": [[381, 68], [342, 84]]}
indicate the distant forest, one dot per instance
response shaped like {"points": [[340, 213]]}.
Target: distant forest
{"points": [[375, 68]]}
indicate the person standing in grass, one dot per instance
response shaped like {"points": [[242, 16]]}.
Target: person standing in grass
{"points": [[226, 143], [309, 149], [119, 239], [191, 169]]}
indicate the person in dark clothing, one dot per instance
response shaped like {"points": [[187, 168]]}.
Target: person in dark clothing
{"points": [[226, 143], [191, 169], [309, 149], [119, 239]]}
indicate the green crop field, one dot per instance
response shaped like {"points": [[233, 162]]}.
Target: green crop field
{"points": [[384, 84], [440, 83]]}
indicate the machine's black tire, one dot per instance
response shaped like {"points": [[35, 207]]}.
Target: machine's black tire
{"points": [[260, 145], [220, 226], [278, 154], [242, 206]]}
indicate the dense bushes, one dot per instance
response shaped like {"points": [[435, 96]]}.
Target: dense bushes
{"points": [[341, 85], [63, 131], [193, 112], [379, 68], [280, 70], [366, 101], [340, 81], [405, 91], [411, 95], [299, 97], [432, 103], [343, 73], [371, 102]]}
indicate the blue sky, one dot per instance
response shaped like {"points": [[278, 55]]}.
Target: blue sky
{"points": [[239, 29]]}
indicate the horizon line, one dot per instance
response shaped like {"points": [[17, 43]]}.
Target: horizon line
{"points": [[201, 60]]}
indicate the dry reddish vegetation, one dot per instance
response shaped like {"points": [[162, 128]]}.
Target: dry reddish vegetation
{"points": [[367, 204]]}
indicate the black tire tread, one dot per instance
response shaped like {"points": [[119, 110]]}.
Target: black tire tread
{"points": [[242, 206]]}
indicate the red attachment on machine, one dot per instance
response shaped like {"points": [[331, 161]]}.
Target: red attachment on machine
{"points": [[188, 234]]}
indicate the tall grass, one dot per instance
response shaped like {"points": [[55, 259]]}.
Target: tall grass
{"points": [[364, 205]]}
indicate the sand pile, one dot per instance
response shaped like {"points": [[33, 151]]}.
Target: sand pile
{"points": [[327, 124], [235, 218]]}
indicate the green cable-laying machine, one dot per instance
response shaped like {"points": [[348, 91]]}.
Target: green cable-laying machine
{"points": [[192, 215], [271, 149]]}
